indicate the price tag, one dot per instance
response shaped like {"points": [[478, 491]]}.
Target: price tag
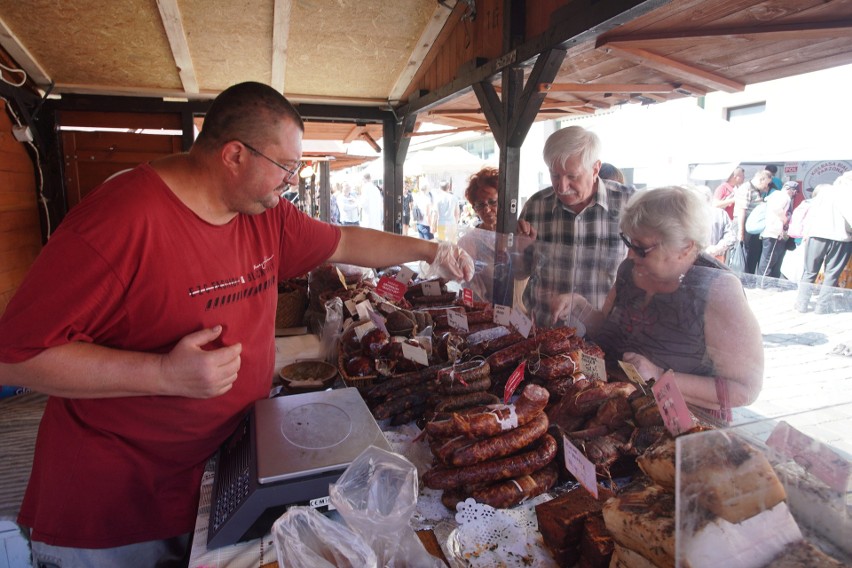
{"points": [[670, 401], [817, 458], [364, 310], [521, 322], [632, 373], [431, 288], [514, 380], [390, 288], [404, 275], [467, 297], [416, 354], [580, 467], [360, 297], [351, 307], [342, 278], [362, 329], [593, 367], [457, 320], [378, 321], [502, 315]]}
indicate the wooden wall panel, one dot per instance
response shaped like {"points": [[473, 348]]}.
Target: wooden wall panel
{"points": [[20, 232]]}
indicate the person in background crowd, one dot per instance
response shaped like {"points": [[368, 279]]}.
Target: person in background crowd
{"points": [[675, 307], [160, 338], [748, 196], [334, 208], [406, 209], [774, 235], [725, 195], [828, 243], [568, 233], [608, 171], [349, 203], [722, 237], [423, 213], [372, 205], [800, 213], [482, 243], [775, 184], [446, 207]]}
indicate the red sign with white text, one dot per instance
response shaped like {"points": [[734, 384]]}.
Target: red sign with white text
{"points": [[514, 380]]}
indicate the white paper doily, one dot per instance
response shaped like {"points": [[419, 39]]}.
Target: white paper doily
{"points": [[490, 537]]}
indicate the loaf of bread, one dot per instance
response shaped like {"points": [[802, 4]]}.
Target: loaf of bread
{"points": [[730, 478]]}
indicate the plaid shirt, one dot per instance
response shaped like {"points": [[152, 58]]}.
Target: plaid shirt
{"points": [[556, 265]]}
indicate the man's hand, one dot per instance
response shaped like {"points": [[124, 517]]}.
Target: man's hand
{"points": [[192, 371]]}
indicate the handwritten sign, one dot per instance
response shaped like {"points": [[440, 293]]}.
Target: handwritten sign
{"points": [[521, 322], [351, 307], [362, 329], [502, 315], [817, 458], [580, 467], [457, 320], [467, 297], [593, 367], [431, 288], [415, 353], [670, 401], [390, 288], [364, 309], [632, 373], [404, 275], [514, 380]]}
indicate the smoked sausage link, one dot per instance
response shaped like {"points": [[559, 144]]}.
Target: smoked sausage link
{"points": [[495, 470], [494, 420], [502, 444]]}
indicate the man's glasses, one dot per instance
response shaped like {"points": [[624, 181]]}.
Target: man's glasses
{"points": [[641, 251], [492, 203], [290, 171]]}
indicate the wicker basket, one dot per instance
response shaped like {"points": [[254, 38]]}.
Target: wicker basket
{"points": [[291, 308], [363, 384]]}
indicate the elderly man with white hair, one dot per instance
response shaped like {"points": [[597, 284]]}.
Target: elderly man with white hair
{"points": [[828, 234]]}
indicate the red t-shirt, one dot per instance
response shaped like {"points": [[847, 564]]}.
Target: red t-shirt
{"points": [[724, 191], [131, 267]]}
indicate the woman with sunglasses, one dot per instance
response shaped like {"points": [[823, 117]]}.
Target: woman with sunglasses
{"points": [[675, 307]]}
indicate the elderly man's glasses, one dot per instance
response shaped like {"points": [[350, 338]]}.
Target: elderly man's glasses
{"points": [[641, 251], [481, 205], [291, 171]]}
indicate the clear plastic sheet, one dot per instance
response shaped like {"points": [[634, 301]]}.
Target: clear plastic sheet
{"points": [[305, 538]]}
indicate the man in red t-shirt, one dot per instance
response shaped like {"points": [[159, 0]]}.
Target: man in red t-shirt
{"points": [[149, 320], [723, 197]]}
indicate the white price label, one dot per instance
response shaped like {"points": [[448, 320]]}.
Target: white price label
{"points": [[632, 373], [431, 288], [521, 322], [593, 367], [580, 466], [362, 329], [416, 354], [364, 309], [351, 307], [502, 315], [457, 320], [404, 275]]}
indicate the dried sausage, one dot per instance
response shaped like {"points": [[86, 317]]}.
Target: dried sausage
{"points": [[494, 470], [477, 385], [511, 492], [399, 404], [459, 401], [556, 366], [464, 373], [500, 445], [494, 420], [405, 380]]}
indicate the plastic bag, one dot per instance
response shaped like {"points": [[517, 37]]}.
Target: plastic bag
{"points": [[756, 220], [376, 497], [332, 328], [451, 263], [305, 538], [737, 257]]}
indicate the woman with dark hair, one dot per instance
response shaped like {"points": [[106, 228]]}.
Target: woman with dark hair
{"points": [[674, 307], [608, 171]]}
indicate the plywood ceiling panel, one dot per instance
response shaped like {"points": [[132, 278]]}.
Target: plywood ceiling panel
{"points": [[370, 43], [120, 43]]}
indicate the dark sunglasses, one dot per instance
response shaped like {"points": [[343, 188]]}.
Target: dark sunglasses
{"points": [[641, 251]]}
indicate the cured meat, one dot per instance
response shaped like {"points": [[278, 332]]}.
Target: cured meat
{"points": [[473, 385], [493, 420], [658, 463], [558, 366], [491, 471], [596, 544], [641, 518], [405, 380], [500, 445], [463, 373], [467, 400], [511, 492], [561, 521]]}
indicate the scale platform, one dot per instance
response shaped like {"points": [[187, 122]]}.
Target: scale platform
{"points": [[286, 451]]}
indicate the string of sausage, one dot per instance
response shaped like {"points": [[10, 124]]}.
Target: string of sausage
{"points": [[541, 454], [507, 493]]}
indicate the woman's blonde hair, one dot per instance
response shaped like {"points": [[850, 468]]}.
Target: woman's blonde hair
{"points": [[676, 213]]}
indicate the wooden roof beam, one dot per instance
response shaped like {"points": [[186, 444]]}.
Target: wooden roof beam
{"points": [[371, 141], [280, 38], [16, 50], [763, 32], [173, 24], [605, 88], [675, 68], [353, 134]]}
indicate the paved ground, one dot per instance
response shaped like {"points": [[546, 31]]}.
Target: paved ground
{"points": [[807, 380]]}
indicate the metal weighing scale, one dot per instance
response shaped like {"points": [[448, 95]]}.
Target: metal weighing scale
{"points": [[285, 452]]}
